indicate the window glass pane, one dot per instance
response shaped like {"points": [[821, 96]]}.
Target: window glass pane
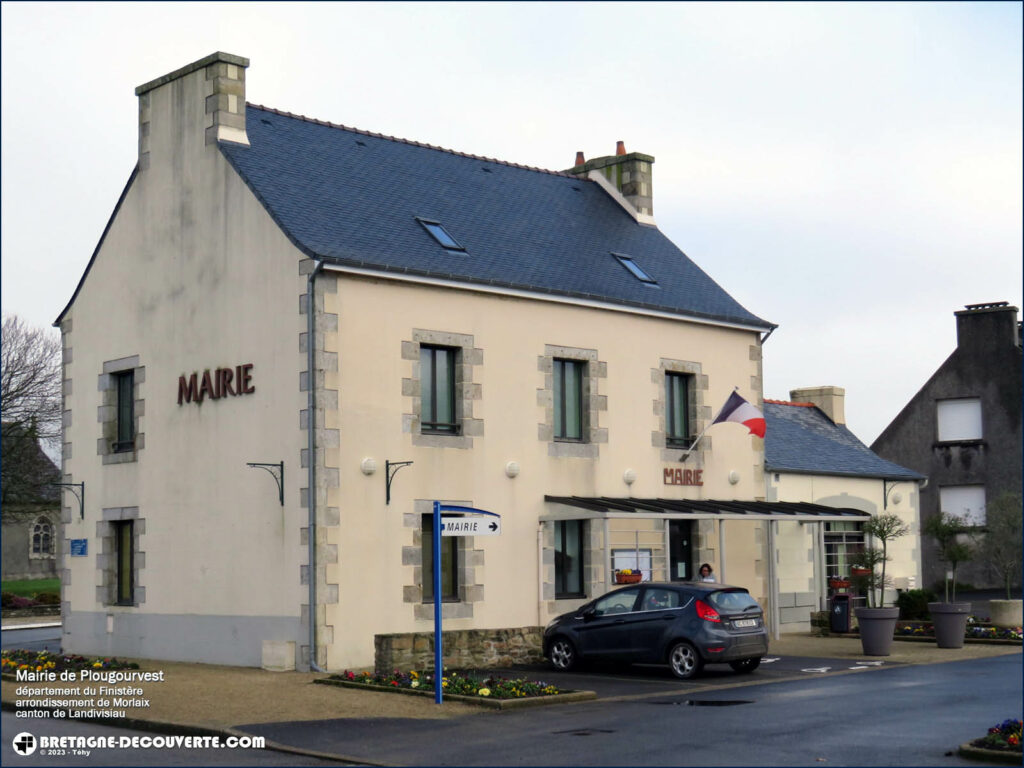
{"points": [[568, 558], [634, 268], [441, 235], [966, 501], [124, 562], [449, 562], [559, 397], [125, 407], [959, 419], [677, 416], [444, 386], [573, 401], [427, 384]]}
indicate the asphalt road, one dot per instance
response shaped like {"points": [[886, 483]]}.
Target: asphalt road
{"points": [[46, 639], [894, 716], [13, 727]]}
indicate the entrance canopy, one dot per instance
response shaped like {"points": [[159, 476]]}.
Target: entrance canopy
{"points": [[575, 507]]}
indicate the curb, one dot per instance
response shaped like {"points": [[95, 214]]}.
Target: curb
{"points": [[182, 729], [480, 701], [989, 755]]}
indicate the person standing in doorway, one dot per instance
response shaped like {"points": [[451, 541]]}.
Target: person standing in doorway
{"points": [[706, 572]]}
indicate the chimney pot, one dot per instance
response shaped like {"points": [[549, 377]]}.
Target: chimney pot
{"points": [[620, 148], [580, 160]]}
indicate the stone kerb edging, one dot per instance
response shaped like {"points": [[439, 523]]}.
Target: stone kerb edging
{"points": [[482, 701], [989, 755]]}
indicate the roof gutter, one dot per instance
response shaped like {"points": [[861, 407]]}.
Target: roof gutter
{"points": [[311, 455]]}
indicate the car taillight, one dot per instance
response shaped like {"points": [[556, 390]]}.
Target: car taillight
{"points": [[706, 612]]}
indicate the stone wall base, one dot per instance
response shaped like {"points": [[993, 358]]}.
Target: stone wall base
{"points": [[463, 648]]}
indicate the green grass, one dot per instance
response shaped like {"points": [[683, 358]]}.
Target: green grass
{"points": [[30, 587]]}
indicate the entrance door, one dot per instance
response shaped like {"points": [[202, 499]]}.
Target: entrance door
{"points": [[680, 543]]}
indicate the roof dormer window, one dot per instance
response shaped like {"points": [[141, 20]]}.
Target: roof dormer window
{"points": [[635, 269], [440, 234]]}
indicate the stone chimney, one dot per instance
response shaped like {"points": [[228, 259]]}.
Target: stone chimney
{"points": [[984, 328], [207, 95], [831, 400], [629, 173]]}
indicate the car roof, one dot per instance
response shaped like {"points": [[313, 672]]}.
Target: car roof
{"points": [[699, 586]]}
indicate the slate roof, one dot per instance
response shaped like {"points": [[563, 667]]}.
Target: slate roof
{"points": [[801, 438], [351, 198]]}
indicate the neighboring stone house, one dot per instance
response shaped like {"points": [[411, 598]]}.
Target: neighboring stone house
{"points": [[963, 430], [294, 336], [30, 507], [810, 455]]}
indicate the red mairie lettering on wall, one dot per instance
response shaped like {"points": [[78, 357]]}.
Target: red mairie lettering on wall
{"points": [[223, 382], [678, 476]]}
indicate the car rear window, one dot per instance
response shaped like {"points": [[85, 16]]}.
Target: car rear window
{"points": [[732, 601]]}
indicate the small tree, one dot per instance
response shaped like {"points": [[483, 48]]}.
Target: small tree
{"points": [[951, 534], [1001, 547], [883, 528]]}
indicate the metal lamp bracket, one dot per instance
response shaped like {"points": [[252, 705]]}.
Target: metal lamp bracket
{"points": [[79, 490], [390, 470], [277, 472]]}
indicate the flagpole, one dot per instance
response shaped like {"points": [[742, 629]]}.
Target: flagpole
{"points": [[688, 451]]}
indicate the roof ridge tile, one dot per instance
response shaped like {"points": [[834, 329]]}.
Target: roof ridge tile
{"points": [[790, 402]]}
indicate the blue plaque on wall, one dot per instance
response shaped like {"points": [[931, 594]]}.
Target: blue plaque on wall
{"points": [[79, 547]]}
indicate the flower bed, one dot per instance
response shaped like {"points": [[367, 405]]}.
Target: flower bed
{"points": [[973, 631], [43, 661], [492, 692], [1004, 737], [453, 683]]}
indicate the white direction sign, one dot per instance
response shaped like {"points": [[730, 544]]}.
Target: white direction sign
{"points": [[470, 526]]}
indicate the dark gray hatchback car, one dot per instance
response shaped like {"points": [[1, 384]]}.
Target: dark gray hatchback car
{"points": [[683, 624]]}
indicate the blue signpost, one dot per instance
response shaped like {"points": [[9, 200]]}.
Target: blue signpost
{"points": [[438, 651]]}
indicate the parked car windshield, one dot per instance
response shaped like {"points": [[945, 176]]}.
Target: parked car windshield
{"points": [[733, 601]]}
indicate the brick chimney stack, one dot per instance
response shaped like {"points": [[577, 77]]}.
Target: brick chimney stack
{"points": [[983, 328], [630, 173]]}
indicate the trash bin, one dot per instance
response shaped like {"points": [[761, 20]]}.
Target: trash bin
{"points": [[839, 614]]}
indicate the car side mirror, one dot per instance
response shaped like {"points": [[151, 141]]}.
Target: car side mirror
{"points": [[589, 614]]}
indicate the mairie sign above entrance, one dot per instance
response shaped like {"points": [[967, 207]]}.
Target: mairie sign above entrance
{"points": [[677, 476], [223, 382]]}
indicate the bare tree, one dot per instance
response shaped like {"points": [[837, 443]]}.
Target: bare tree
{"points": [[30, 406], [1001, 545]]}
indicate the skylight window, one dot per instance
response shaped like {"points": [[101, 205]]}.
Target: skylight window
{"points": [[440, 234], [635, 269]]}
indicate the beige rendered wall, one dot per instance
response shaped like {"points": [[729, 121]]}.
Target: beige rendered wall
{"points": [[375, 317], [864, 494], [192, 275]]}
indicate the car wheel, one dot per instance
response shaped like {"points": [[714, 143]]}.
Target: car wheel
{"points": [[562, 654], [745, 665], [684, 661]]}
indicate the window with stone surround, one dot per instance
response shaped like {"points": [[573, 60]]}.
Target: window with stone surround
{"points": [[449, 562], [43, 539], [441, 390], [679, 407], [121, 559], [463, 554], [569, 549], [571, 401], [121, 410]]}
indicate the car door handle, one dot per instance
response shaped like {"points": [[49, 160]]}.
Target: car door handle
{"points": [[620, 621], [667, 617]]}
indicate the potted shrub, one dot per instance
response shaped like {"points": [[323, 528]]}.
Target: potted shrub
{"points": [[1001, 550], [876, 621], [949, 618]]}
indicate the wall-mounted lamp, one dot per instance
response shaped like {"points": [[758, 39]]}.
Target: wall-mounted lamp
{"points": [[512, 469], [629, 477], [368, 465], [734, 477]]}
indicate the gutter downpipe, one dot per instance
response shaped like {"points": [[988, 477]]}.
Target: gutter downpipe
{"points": [[311, 456]]}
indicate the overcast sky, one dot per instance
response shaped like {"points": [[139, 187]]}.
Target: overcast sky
{"points": [[851, 172]]}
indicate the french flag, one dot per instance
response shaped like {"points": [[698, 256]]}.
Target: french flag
{"points": [[740, 411]]}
